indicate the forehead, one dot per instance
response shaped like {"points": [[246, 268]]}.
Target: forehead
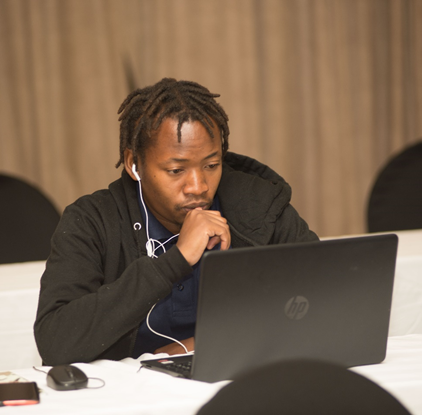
{"points": [[194, 138]]}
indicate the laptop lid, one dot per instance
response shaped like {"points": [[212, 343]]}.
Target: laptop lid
{"points": [[327, 300]]}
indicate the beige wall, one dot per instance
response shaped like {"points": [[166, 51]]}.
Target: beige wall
{"points": [[324, 91]]}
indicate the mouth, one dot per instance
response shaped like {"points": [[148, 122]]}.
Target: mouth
{"points": [[190, 207]]}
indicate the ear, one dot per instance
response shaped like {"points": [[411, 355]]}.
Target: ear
{"points": [[128, 157]]}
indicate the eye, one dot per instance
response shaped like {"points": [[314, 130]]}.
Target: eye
{"points": [[212, 166], [175, 171]]}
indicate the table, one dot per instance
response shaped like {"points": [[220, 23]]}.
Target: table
{"points": [[146, 392], [401, 372], [19, 289], [130, 391], [410, 241]]}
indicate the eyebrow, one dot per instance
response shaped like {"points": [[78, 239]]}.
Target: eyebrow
{"points": [[175, 159]]}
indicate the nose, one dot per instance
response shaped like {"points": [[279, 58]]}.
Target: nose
{"points": [[196, 183]]}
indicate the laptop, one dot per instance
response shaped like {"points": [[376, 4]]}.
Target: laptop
{"points": [[326, 300]]}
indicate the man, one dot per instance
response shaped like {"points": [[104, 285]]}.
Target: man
{"points": [[123, 273]]}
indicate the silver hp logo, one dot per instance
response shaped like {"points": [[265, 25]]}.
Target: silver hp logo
{"points": [[296, 307]]}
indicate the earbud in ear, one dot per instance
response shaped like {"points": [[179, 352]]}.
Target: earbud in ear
{"points": [[135, 172]]}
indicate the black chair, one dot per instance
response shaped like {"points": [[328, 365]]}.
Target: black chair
{"points": [[303, 387], [395, 202], [27, 222]]}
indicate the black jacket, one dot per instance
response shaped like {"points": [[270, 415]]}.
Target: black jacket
{"points": [[99, 283]]}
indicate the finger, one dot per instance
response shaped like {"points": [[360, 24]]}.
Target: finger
{"points": [[218, 221], [225, 241], [213, 242], [209, 213]]}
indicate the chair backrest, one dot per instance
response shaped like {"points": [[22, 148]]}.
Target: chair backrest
{"points": [[27, 221], [395, 201], [303, 387]]}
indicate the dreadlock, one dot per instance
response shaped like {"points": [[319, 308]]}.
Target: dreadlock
{"points": [[143, 111]]}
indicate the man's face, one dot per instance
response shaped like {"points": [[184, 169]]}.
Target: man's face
{"points": [[177, 177]]}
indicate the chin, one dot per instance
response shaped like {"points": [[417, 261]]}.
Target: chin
{"points": [[178, 219], [181, 220]]}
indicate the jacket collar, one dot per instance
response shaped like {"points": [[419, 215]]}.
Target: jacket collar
{"points": [[252, 197], [125, 195]]}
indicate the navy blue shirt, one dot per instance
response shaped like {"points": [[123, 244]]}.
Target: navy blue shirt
{"points": [[175, 315]]}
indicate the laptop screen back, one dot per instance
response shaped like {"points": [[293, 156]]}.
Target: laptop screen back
{"points": [[328, 300]]}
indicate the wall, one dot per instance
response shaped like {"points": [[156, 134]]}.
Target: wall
{"points": [[323, 91]]}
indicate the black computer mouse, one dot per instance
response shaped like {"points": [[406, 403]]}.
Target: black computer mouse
{"points": [[66, 377]]}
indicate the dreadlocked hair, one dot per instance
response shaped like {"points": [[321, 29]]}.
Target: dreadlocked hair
{"points": [[143, 111]]}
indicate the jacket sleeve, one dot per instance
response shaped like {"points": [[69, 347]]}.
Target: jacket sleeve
{"points": [[90, 300], [291, 228]]}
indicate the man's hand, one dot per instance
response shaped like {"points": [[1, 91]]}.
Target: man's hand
{"points": [[175, 348], [202, 229]]}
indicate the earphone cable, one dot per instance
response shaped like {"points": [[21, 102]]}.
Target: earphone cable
{"points": [[151, 249], [150, 246], [162, 335]]}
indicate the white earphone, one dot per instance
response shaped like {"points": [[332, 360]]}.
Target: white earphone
{"points": [[151, 246], [135, 172]]}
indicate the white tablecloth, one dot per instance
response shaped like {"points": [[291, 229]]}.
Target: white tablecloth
{"points": [[406, 309], [410, 241], [128, 391], [401, 372], [19, 289]]}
